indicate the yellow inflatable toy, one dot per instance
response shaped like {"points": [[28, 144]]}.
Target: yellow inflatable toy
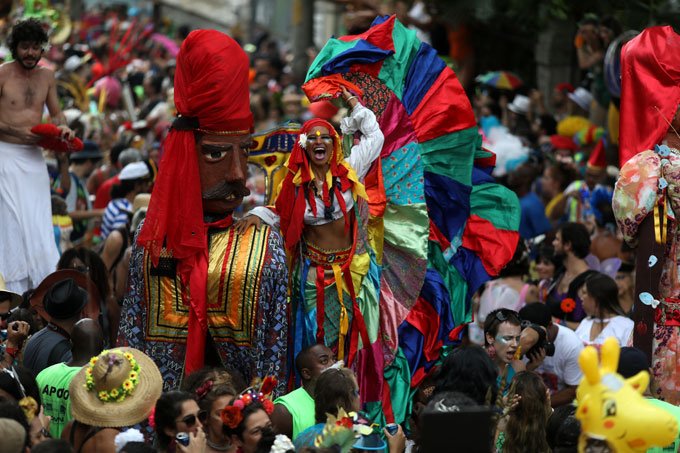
{"points": [[612, 409]]}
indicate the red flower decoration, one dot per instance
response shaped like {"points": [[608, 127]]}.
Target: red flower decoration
{"points": [[51, 139], [231, 416], [268, 406], [270, 160], [268, 385], [568, 305], [152, 418], [345, 422], [641, 328], [204, 389]]}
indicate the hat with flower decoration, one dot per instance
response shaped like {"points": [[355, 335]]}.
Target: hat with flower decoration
{"points": [[347, 432], [119, 387], [259, 392]]}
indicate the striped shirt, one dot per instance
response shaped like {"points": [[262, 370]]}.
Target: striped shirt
{"points": [[116, 215]]}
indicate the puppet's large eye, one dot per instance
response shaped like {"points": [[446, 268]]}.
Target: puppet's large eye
{"points": [[609, 408]]}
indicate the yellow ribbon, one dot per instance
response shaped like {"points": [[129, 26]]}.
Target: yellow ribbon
{"points": [[344, 321], [660, 224]]}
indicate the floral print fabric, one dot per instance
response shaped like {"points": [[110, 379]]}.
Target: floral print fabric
{"points": [[635, 195]]}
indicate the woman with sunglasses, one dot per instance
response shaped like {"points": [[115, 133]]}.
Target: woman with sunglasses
{"points": [[502, 330], [177, 412]]}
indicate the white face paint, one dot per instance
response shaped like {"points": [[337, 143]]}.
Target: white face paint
{"points": [[507, 341]]}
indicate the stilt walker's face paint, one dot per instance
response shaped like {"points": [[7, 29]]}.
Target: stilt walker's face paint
{"points": [[319, 146]]}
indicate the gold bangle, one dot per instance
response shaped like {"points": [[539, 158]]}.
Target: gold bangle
{"points": [[350, 98]]}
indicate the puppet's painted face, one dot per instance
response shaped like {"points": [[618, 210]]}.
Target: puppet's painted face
{"points": [[222, 166], [319, 147]]}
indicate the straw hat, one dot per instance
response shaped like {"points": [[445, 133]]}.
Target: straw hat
{"points": [[13, 435], [14, 298], [141, 201], [117, 388]]}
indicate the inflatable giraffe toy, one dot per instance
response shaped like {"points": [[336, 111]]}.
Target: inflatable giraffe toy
{"points": [[612, 409]]}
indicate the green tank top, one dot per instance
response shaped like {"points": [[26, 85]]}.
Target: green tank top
{"points": [[53, 383], [301, 407]]}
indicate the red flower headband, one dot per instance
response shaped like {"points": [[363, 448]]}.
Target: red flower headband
{"points": [[232, 415], [204, 389]]}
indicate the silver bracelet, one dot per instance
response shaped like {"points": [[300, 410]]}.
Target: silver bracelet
{"points": [[350, 98]]}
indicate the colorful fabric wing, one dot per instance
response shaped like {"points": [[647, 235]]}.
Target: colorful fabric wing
{"points": [[446, 226]]}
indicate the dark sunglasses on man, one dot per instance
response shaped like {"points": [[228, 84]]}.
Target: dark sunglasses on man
{"points": [[5, 316]]}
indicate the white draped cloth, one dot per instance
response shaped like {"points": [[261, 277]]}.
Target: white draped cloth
{"points": [[28, 251]]}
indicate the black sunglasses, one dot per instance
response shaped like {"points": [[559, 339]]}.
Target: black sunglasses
{"points": [[190, 420], [503, 315]]}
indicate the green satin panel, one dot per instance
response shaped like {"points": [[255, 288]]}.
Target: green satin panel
{"points": [[454, 282], [367, 294], [398, 377], [407, 228], [452, 154]]}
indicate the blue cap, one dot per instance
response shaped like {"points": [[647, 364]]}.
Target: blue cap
{"points": [[370, 442], [90, 151]]}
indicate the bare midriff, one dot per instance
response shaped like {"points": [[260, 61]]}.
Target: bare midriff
{"points": [[329, 236]]}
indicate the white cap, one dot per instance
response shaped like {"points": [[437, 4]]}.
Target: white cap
{"points": [[135, 170], [72, 63], [581, 97], [520, 105]]}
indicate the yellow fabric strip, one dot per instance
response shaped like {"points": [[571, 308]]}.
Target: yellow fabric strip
{"points": [[344, 321], [659, 225]]}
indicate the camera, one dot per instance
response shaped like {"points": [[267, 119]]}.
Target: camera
{"points": [[542, 341]]}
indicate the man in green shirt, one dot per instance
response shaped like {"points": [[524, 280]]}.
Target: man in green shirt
{"points": [[87, 341], [631, 362], [294, 412]]}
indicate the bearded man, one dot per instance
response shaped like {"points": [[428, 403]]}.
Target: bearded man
{"points": [[28, 251], [199, 292]]}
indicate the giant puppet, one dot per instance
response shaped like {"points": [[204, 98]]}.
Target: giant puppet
{"points": [[199, 293], [647, 196]]}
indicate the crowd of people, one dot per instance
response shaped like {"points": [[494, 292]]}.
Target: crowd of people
{"points": [[183, 297]]}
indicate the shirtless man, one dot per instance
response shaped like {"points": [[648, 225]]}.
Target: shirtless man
{"points": [[27, 248]]}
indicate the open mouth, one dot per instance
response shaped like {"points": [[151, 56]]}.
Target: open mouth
{"points": [[319, 152]]}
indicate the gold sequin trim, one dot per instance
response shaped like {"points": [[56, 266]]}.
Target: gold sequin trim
{"points": [[241, 132]]}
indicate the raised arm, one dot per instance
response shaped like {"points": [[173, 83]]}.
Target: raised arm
{"points": [[370, 145]]}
